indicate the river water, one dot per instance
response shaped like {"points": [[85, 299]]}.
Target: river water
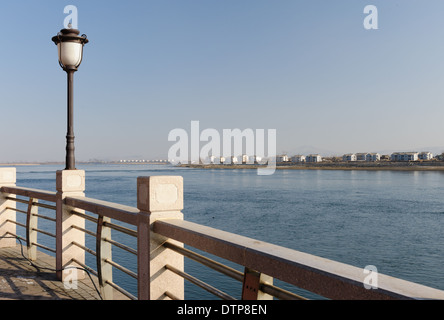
{"points": [[389, 219]]}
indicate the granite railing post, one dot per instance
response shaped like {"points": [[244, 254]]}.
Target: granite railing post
{"points": [[7, 213], [69, 183], [104, 253], [158, 198], [31, 229]]}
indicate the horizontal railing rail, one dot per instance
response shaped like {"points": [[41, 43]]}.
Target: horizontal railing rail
{"points": [[112, 210], [31, 193]]}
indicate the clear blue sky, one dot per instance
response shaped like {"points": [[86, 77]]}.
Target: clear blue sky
{"points": [[307, 68]]}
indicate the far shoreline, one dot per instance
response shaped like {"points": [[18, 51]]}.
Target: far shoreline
{"points": [[389, 166], [371, 166], [18, 164]]}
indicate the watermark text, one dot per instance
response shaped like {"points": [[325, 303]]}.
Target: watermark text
{"points": [[252, 146]]}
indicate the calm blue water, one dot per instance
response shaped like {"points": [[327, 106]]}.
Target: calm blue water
{"points": [[392, 220]]}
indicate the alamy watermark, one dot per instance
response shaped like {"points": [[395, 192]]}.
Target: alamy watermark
{"points": [[253, 146], [371, 20], [371, 280], [72, 19], [70, 277]]}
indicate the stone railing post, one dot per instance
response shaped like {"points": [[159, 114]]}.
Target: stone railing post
{"points": [[159, 197], [7, 213], [31, 229], [69, 183], [103, 253]]}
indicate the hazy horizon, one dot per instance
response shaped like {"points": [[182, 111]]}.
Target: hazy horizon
{"points": [[303, 150]]}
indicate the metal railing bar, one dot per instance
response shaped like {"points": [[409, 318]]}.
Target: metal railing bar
{"points": [[117, 244], [121, 268], [121, 290], [94, 272], [171, 296], [110, 225], [17, 223], [107, 224], [116, 227], [44, 205], [13, 234], [85, 216], [85, 248], [44, 232], [200, 283], [279, 293], [44, 217], [17, 210], [84, 230], [17, 200], [121, 246], [233, 273], [43, 247]]}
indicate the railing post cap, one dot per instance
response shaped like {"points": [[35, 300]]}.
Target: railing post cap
{"points": [[7, 176], [70, 180], [160, 193]]}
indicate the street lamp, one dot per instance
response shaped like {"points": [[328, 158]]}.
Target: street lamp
{"points": [[70, 49]]}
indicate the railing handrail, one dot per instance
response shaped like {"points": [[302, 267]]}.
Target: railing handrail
{"points": [[112, 210], [328, 278], [31, 193]]}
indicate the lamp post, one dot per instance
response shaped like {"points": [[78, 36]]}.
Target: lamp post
{"points": [[70, 50]]}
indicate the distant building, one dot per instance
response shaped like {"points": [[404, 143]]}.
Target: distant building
{"points": [[404, 156], [425, 155], [257, 159], [222, 160], [245, 159], [361, 156], [313, 158], [373, 157], [234, 159], [349, 157], [298, 159], [282, 158]]}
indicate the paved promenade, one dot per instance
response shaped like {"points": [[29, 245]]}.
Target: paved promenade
{"points": [[19, 280]]}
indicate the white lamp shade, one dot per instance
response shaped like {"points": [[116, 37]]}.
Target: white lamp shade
{"points": [[70, 53]]}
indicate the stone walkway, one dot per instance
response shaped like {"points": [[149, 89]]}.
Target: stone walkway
{"points": [[19, 280]]}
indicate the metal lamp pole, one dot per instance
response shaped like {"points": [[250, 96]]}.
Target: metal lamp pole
{"points": [[70, 162], [70, 49]]}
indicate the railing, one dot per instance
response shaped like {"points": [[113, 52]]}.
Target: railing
{"points": [[161, 235], [102, 253], [32, 215], [104, 263]]}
